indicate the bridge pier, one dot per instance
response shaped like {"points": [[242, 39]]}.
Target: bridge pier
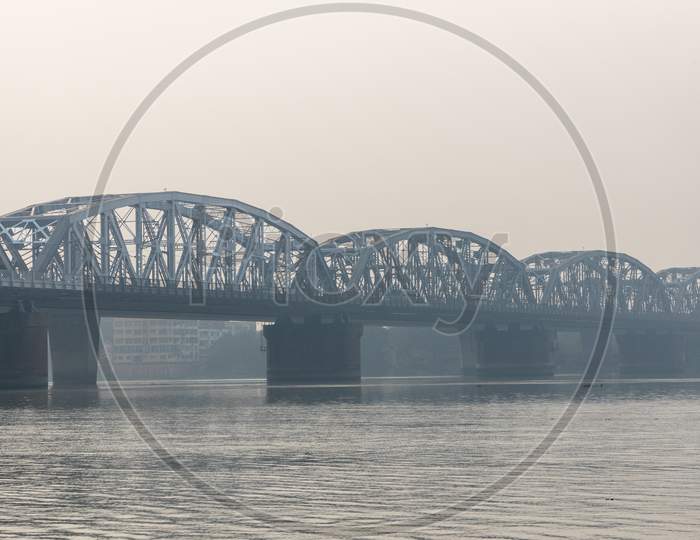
{"points": [[651, 353], [74, 338], [692, 355], [610, 364], [313, 352], [508, 351], [23, 349], [469, 348]]}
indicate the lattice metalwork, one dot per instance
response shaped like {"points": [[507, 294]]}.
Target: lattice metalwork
{"points": [[165, 240], [423, 265], [540, 267], [581, 280], [683, 286], [180, 241]]}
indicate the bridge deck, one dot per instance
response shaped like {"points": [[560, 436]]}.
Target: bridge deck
{"points": [[159, 302]]}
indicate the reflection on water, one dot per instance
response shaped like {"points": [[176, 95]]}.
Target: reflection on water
{"points": [[71, 465], [313, 394], [52, 399]]}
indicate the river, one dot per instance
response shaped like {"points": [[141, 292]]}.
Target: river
{"points": [[335, 459]]}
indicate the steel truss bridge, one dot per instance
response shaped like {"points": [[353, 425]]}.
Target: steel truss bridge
{"points": [[171, 253]]}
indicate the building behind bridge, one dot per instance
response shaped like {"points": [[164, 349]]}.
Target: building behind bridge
{"points": [[161, 348]]}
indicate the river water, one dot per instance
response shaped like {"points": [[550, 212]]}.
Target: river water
{"points": [[335, 459]]}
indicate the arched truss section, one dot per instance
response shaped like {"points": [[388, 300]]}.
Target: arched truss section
{"points": [[676, 275], [683, 285], [426, 265], [166, 239], [539, 269], [579, 281]]}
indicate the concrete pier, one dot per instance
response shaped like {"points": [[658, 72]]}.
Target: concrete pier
{"points": [[74, 338], [469, 347], [651, 354], [692, 355], [508, 351], [313, 351], [23, 348], [610, 363]]}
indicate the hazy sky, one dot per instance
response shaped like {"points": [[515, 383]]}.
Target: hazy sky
{"points": [[359, 121]]}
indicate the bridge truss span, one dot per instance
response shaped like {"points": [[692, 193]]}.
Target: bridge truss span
{"points": [[163, 240], [582, 280], [423, 266], [683, 286], [172, 243]]}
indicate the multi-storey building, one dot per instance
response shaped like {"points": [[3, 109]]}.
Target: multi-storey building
{"points": [[143, 348]]}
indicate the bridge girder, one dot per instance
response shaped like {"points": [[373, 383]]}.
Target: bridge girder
{"points": [[683, 286], [165, 239], [580, 280], [180, 240], [424, 265]]}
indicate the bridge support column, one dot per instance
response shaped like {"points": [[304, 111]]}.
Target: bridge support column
{"points": [[610, 365], [72, 335], [514, 351], [469, 348], [651, 354], [692, 355], [23, 349], [313, 352]]}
